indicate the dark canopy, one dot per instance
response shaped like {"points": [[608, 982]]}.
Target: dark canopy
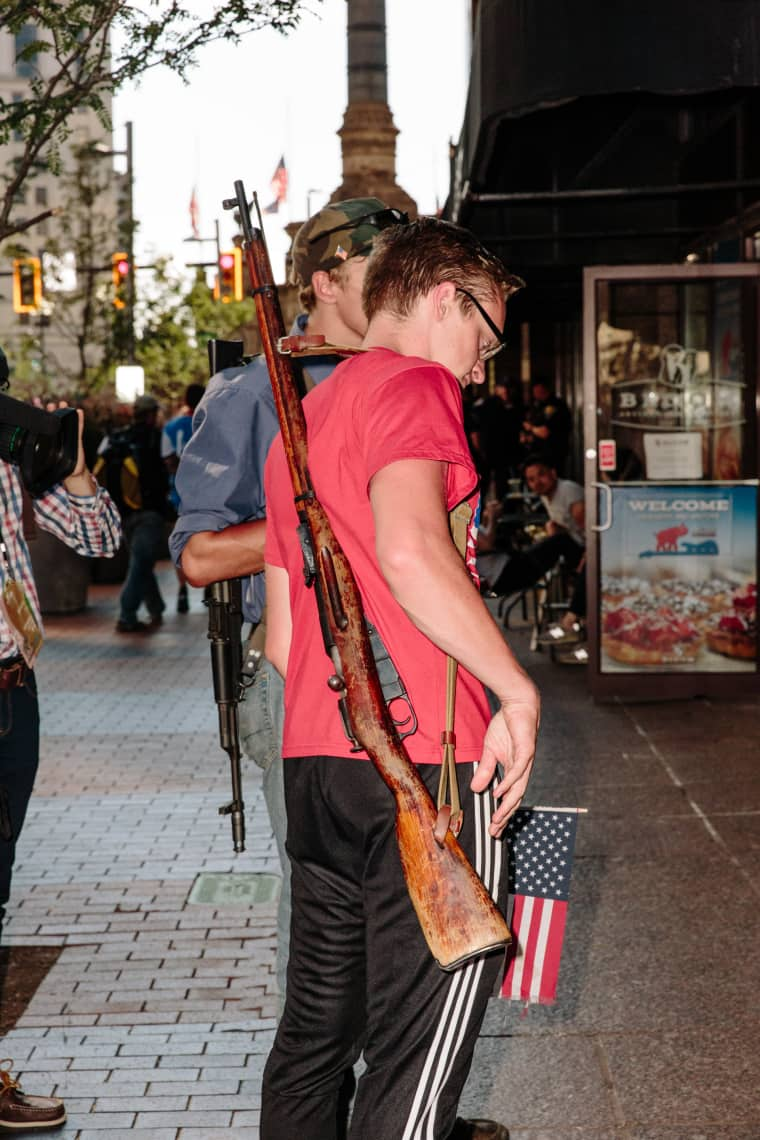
{"points": [[609, 130]]}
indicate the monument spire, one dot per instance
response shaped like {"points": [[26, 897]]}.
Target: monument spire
{"points": [[368, 134]]}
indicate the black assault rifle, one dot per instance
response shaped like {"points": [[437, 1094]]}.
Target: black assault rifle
{"points": [[225, 624]]}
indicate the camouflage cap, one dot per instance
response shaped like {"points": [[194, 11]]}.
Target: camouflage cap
{"points": [[339, 231]]}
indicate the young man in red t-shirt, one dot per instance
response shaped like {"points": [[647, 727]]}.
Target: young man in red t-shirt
{"points": [[388, 459]]}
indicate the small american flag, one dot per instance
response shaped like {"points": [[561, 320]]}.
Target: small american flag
{"points": [[279, 187], [541, 841]]}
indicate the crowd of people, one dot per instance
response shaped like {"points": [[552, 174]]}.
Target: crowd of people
{"points": [[390, 456]]}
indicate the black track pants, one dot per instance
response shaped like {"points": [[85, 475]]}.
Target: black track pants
{"points": [[360, 974]]}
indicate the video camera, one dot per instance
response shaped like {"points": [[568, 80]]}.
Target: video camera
{"points": [[43, 445]]}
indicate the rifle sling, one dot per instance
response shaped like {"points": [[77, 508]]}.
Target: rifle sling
{"points": [[449, 807]]}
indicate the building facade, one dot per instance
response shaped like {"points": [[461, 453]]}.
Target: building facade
{"points": [[52, 348], [608, 154]]}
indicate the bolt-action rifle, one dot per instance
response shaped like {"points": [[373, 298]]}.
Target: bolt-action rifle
{"points": [[225, 624], [459, 919]]}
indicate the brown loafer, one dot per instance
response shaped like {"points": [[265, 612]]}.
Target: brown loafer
{"points": [[22, 1113], [479, 1130]]}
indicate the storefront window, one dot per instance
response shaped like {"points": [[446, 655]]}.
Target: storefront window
{"points": [[672, 378]]}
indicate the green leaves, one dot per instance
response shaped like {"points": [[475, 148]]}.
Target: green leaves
{"points": [[81, 51]]}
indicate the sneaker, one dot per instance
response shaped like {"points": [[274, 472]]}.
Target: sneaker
{"points": [[579, 656], [132, 626], [478, 1130], [183, 602], [22, 1113], [558, 635]]}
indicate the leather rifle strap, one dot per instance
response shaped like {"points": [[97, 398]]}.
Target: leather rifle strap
{"points": [[448, 786]]}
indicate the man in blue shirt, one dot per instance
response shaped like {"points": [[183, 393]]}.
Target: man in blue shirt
{"points": [[220, 480]]}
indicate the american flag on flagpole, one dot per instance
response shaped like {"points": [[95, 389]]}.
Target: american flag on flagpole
{"points": [[541, 841], [194, 215], [278, 186]]}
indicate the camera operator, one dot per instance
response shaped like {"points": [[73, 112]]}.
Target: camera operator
{"points": [[81, 514]]}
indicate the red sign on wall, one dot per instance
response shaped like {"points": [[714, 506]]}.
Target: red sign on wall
{"points": [[607, 455]]}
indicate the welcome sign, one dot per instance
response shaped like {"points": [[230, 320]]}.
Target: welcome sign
{"points": [[678, 584]]}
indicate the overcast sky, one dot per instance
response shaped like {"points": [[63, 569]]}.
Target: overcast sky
{"points": [[275, 95]]}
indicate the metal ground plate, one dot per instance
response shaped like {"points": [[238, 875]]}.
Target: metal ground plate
{"points": [[226, 888]]}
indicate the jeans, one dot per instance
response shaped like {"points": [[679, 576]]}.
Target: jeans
{"points": [[525, 568], [144, 535], [261, 717], [19, 756]]}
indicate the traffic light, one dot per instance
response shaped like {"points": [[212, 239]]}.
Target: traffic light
{"points": [[229, 279], [27, 284], [120, 274]]}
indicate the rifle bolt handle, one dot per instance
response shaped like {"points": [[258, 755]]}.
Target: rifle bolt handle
{"points": [[336, 684]]}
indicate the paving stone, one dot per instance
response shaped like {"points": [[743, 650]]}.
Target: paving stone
{"points": [[144, 1104], [84, 1061], [218, 1102], [187, 1119], [98, 1123], [231, 1133], [228, 1086], [153, 1074]]}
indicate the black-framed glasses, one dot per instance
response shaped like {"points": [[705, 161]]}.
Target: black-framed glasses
{"points": [[380, 220], [489, 352]]}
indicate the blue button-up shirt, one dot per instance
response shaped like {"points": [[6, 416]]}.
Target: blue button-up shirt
{"points": [[220, 478]]}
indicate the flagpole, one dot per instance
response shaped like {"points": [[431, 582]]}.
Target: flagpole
{"points": [[577, 811]]}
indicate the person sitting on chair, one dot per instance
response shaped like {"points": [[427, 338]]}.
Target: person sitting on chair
{"points": [[562, 500]]}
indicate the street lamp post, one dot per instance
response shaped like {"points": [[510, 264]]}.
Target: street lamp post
{"points": [[131, 291], [130, 236], [217, 242]]}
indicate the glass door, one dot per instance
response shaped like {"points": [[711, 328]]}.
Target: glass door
{"points": [[671, 470]]}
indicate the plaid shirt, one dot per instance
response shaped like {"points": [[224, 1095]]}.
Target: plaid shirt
{"points": [[89, 524]]}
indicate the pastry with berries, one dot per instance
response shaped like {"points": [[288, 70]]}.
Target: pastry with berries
{"points": [[660, 637], [736, 632]]}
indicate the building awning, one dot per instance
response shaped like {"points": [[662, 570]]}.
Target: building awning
{"points": [[587, 118], [536, 53]]}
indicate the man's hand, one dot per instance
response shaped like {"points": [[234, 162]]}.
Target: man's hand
{"points": [[511, 742]]}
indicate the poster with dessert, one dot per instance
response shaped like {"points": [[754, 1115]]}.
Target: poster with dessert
{"points": [[678, 586]]}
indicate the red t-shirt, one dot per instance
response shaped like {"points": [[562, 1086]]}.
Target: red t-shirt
{"points": [[374, 410]]}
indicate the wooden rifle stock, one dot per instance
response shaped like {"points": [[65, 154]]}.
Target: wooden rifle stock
{"points": [[459, 919]]}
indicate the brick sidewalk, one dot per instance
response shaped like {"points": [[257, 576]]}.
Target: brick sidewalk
{"points": [[159, 1011]]}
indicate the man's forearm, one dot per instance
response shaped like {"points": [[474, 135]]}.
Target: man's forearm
{"points": [[235, 552], [433, 587]]}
